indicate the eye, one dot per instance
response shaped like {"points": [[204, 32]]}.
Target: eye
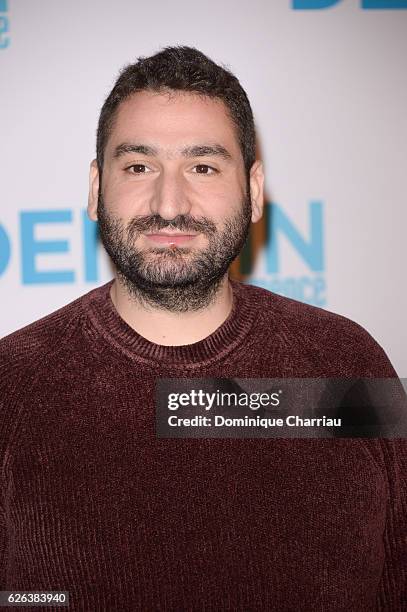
{"points": [[204, 169], [138, 169]]}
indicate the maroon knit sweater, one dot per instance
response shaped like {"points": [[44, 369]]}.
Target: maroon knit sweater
{"points": [[92, 502]]}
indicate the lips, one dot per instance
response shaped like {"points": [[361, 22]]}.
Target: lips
{"points": [[168, 238]]}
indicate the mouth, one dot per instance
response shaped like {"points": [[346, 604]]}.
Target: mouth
{"points": [[170, 238]]}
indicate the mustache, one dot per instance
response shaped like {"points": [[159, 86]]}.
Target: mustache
{"points": [[182, 223]]}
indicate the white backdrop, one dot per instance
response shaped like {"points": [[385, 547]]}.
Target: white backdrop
{"points": [[329, 94]]}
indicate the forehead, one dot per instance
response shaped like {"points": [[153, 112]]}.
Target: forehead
{"points": [[173, 119]]}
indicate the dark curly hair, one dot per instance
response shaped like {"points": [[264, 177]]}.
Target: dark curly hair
{"points": [[185, 69]]}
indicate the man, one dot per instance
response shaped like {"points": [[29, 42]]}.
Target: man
{"points": [[95, 504]]}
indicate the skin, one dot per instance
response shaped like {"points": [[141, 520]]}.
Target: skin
{"points": [[169, 181]]}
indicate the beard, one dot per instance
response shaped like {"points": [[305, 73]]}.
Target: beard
{"points": [[176, 279]]}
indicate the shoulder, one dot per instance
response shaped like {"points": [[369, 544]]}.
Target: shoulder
{"points": [[300, 317], [325, 334], [28, 346]]}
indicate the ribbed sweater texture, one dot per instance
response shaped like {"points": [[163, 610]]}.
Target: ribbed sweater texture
{"points": [[94, 503]]}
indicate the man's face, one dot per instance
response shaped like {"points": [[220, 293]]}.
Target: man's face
{"points": [[173, 207]]}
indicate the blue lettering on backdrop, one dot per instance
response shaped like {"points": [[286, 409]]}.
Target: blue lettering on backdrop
{"points": [[5, 249], [310, 288], [308, 245], [313, 4], [384, 4], [310, 251], [301, 5], [305, 289], [30, 247], [4, 40], [90, 242], [4, 25]]}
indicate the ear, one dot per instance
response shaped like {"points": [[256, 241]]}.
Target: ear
{"points": [[257, 190], [93, 191]]}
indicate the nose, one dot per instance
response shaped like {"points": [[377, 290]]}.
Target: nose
{"points": [[170, 198]]}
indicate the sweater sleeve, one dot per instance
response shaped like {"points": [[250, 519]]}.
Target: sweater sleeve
{"points": [[21, 352], [3, 526], [5, 383], [392, 593], [3, 549], [12, 375]]}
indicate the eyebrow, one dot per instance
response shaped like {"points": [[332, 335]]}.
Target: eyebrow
{"points": [[203, 150], [191, 151]]}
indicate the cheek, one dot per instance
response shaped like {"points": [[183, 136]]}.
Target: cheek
{"points": [[127, 198], [224, 205]]}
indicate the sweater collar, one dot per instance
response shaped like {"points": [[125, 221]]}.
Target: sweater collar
{"points": [[226, 338]]}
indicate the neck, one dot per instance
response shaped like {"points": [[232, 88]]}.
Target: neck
{"points": [[173, 328]]}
